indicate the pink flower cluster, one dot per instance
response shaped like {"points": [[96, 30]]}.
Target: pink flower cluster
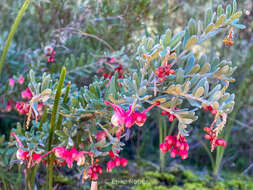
{"points": [[115, 162], [171, 116], [69, 156], [93, 171], [128, 119], [50, 54], [21, 80], [9, 103], [175, 144], [24, 107], [24, 155], [27, 94], [111, 62]]}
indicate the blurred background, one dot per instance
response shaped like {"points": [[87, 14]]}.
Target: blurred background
{"points": [[99, 28]]}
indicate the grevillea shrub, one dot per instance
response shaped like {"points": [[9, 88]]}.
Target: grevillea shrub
{"points": [[68, 126]]}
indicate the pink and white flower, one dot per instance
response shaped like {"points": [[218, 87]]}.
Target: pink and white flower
{"points": [[69, 156], [11, 82], [21, 80], [129, 118]]}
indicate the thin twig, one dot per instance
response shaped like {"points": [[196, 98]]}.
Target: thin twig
{"points": [[247, 169], [88, 35]]}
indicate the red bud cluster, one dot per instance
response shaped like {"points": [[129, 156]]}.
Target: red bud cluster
{"points": [[115, 162], [164, 71], [93, 171], [211, 109], [111, 62], [212, 137], [175, 144], [171, 116], [50, 53]]}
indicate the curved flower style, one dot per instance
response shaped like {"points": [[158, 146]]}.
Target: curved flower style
{"points": [[24, 155]]}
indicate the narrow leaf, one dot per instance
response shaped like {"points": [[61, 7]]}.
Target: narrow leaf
{"points": [[191, 42]]}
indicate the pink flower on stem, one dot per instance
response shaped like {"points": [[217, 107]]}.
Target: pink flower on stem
{"points": [[119, 116], [22, 107], [22, 155], [69, 156], [129, 118], [35, 156], [21, 80], [140, 118], [27, 94], [11, 82]]}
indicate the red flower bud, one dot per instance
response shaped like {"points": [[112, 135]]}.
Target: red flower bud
{"points": [[221, 142], [208, 137], [171, 117], [90, 171], [164, 112], [184, 156], [173, 153], [210, 108], [172, 71], [123, 162], [110, 165], [207, 129], [117, 161], [213, 112], [94, 176], [164, 148], [99, 170], [111, 154]]}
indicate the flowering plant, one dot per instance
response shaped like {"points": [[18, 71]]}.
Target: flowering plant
{"points": [[87, 124]]}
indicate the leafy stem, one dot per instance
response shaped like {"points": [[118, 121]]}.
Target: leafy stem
{"points": [[12, 32], [52, 126]]}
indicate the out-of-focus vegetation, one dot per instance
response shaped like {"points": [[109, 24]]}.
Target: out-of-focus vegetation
{"points": [[85, 31]]}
